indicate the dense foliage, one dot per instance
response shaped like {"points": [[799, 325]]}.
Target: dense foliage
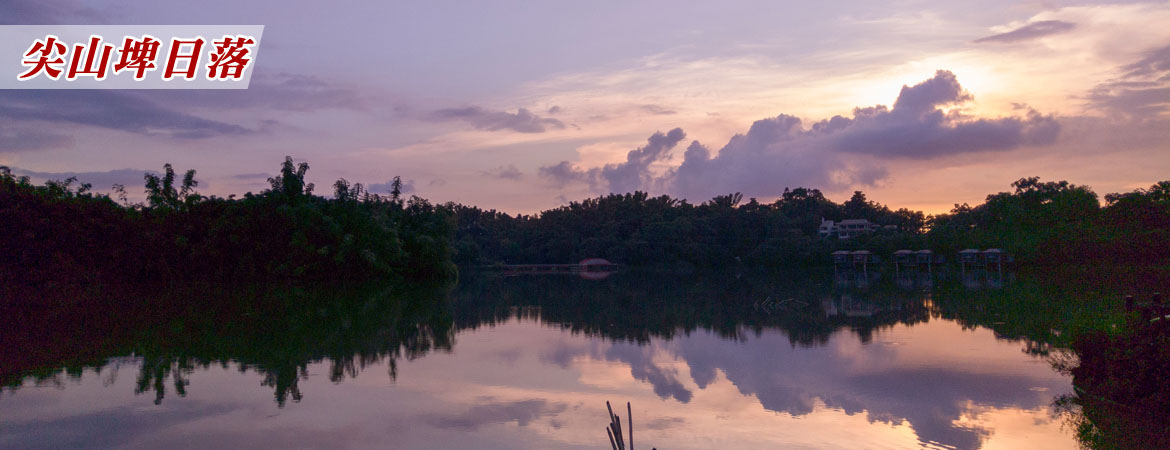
{"points": [[1061, 223], [640, 230], [1121, 385], [60, 232], [288, 232], [1039, 222]]}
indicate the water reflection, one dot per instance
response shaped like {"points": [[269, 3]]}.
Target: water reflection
{"points": [[274, 331], [824, 360]]}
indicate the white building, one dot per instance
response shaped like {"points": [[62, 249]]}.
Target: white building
{"points": [[847, 228]]}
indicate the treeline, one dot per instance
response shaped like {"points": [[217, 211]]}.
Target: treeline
{"points": [[640, 230], [1062, 223], [62, 232], [1038, 222]]}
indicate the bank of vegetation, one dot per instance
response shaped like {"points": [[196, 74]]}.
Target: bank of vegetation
{"points": [[63, 232], [1037, 222]]}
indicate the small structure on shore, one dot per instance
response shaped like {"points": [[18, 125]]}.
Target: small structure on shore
{"points": [[969, 256], [841, 258], [904, 258], [592, 268], [986, 258], [916, 259], [925, 257]]}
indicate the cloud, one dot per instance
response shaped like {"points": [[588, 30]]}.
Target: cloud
{"points": [[282, 92], [563, 173], [1030, 31], [1156, 62], [665, 381], [554, 109], [523, 412], [522, 121], [930, 399], [509, 172], [624, 177], [113, 427], [1141, 91], [250, 176], [779, 152], [24, 139], [925, 122], [122, 111], [657, 110], [35, 12], [665, 423]]}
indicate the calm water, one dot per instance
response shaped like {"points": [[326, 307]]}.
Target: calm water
{"points": [[716, 361]]}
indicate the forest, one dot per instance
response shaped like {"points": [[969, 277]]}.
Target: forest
{"points": [[62, 231], [1037, 222]]}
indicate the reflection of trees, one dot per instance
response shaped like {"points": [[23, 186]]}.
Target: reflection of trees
{"points": [[1122, 399], [1040, 309], [638, 306], [276, 332]]}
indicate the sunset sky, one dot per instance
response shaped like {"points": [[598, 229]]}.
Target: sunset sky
{"points": [[522, 106]]}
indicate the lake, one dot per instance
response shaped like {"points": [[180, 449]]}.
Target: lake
{"points": [[731, 360]]}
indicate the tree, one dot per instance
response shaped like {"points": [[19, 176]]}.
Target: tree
{"points": [[161, 192]]}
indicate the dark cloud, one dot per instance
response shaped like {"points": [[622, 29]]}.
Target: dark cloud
{"points": [[839, 152], [509, 172], [1155, 63], [1138, 103], [523, 412], [779, 152], [634, 173], [930, 399], [108, 428], [554, 110], [38, 12], [665, 423], [563, 173], [1142, 90], [522, 121], [664, 381], [280, 92], [25, 139], [657, 110], [624, 177], [1030, 31], [795, 381], [116, 110], [251, 176], [130, 178]]}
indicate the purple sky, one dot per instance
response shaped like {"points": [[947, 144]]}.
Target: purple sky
{"points": [[520, 106]]}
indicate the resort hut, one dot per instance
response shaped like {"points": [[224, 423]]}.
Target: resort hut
{"points": [[993, 256], [841, 257], [862, 257], [904, 257], [969, 256], [924, 257]]}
